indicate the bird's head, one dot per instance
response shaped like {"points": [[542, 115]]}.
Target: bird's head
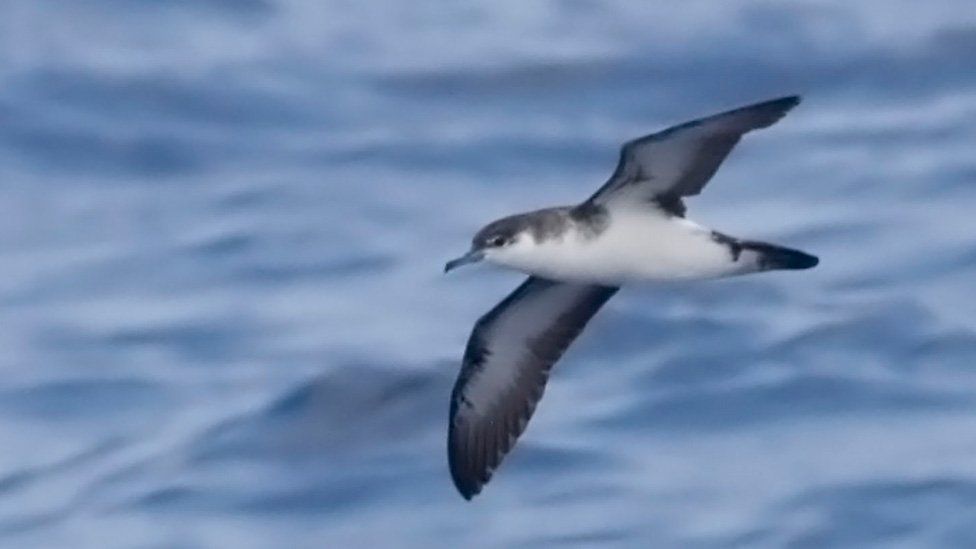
{"points": [[500, 242]]}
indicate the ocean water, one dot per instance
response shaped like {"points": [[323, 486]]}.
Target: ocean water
{"points": [[224, 323]]}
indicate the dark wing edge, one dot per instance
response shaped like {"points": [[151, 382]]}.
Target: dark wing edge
{"points": [[479, 438], [711, 139]]}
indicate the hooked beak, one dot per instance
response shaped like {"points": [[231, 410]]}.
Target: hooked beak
{"points": [[473, 256]]}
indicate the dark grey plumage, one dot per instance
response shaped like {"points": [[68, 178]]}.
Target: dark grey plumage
{"points": [[770, 256], [665, 166], [505, 369]]}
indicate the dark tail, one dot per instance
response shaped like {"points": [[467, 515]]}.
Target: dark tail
{"points": [[772, 257]]}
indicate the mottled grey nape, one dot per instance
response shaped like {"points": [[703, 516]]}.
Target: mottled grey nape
{"points": [[550, 223]]}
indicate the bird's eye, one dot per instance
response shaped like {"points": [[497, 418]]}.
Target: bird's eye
{"points": [[496, 241]]}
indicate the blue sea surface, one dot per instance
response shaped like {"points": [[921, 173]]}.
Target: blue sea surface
{"points": [[223, 320]]}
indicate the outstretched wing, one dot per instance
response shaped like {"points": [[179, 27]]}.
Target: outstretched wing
{"points": [[505, 368], [679, 161]]}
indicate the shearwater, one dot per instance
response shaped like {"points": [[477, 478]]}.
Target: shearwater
{"points": [[632, 229]]}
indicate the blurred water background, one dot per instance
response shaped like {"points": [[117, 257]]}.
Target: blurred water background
{"points": [[222, 225]]}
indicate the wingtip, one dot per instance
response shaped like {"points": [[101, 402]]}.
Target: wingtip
{"points": [[767, 113], [466, 489], [466, 484], [782, 104], [790, 101]]}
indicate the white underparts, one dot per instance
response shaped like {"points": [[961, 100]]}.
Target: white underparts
{"points": [[635, 245]]}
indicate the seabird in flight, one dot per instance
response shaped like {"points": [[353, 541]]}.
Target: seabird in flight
{"points": [[632, 229]]}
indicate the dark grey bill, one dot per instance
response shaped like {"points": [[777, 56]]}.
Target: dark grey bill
{"points": [[473, 256]]}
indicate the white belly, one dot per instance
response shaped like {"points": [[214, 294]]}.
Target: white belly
{"points": [[635, 246]]}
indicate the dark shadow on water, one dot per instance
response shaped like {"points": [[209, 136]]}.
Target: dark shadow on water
{"points": [[357, 410]]}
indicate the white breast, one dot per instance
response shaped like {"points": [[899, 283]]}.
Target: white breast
{"points": [[635, 245]]}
